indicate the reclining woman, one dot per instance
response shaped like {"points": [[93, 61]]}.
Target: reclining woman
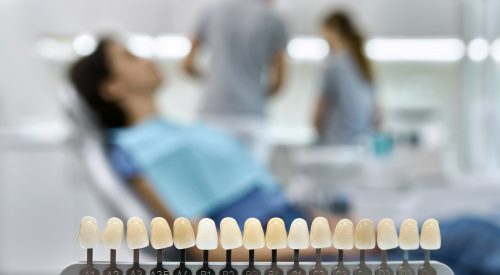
{"points": [[193, 171]]}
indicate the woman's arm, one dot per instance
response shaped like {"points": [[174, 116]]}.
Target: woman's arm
{"points": [[278, 68], [189, 64], [319, 115], [148, 195]]}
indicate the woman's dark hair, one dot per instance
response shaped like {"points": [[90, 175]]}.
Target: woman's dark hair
{"points": [[88, 75], [341, 23]]}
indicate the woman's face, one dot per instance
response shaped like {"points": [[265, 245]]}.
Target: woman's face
{"points": [[334, 38], [130, 75]]}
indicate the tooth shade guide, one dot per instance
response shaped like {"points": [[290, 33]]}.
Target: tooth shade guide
{"points": [[161, 234], [253, 234], [251, 269], [430, 236], [364, 239], [88, 238], [206, 239], [206, 235], [298, 235], [364, 235], [276, 236], [430, 239], [159, 269], [183, 234], [274, 269], [136, 267], [426, 268], [440, 268], [387, 238], [89, 268], [113, 234], [387, 235], [383, 268], [296, 269], [112, 269], [340, 268], [318, 269], [362, 269], [182, 269], [228, 269], [137, 234], [321, 234], [89, 235], [205, 269], [253, 238], [343, 235], [408, 235]]}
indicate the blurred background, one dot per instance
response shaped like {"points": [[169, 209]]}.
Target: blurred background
{"points": [[437, 82]]}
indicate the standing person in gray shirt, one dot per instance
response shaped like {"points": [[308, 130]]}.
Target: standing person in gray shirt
{"points": [[346, 111], [247, 42]]}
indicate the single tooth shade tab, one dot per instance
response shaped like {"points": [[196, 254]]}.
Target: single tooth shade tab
{"points": [[206, 235], [276, 234], [364, 236], [343, 236], [112, 236], [89, 233], [183, 234], [387, 236], [408, 235], [321, 234], [161, 235], [430, 237], [298, 236], [137, 234], [253, 234], [230, 234]]}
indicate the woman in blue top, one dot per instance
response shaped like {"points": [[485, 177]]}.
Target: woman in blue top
{"points": [[192, 171], [346, 111]]}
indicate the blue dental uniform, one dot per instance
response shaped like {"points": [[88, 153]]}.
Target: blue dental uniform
{"points": [[198, 171]]}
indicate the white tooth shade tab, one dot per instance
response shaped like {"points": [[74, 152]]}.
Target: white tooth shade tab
{"points": [[298, 236], [183, 234], [161, 235], [253, 234], [230, 234], [113, 234], [321, 234], [430, 237], [89, 233], [137, 234], [387, 235], [276, 234], [364, 236], [408, 235], [343, 236], [206, 235]]}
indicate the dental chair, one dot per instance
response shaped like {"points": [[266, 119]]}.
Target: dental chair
{"points": [[115, 195]]}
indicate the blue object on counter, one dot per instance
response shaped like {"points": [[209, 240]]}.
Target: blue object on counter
{"points": [[382, 144]]}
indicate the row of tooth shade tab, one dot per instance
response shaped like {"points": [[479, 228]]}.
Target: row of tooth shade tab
{"points": [[344, 237]]}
